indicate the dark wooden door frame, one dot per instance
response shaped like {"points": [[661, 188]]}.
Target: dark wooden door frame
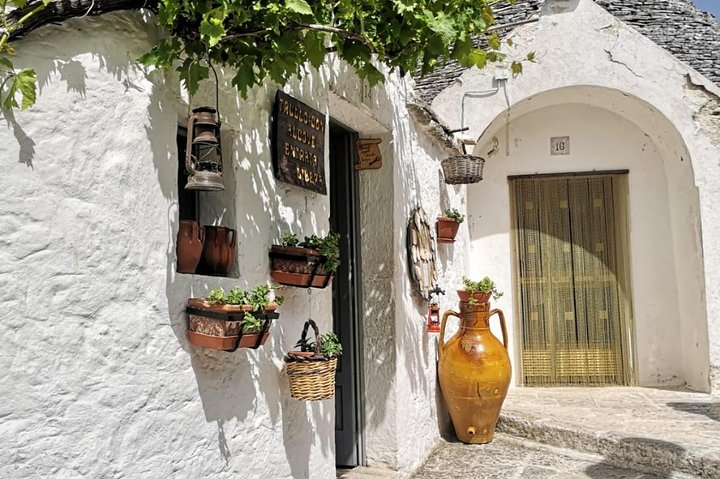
{"points": [[347, 286]]}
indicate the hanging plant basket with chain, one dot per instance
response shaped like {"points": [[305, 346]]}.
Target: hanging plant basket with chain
{"points": [[311, 371], [463, 169]]}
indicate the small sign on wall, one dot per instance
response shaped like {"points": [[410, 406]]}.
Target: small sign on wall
{"points": [[369, 156], [299, 144], [559, 145]]}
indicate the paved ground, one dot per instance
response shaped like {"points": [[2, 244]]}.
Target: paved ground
{"points": [[508, 457], [667, 430], [597, 433]]}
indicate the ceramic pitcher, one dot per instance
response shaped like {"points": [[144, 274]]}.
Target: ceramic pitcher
{"points": [[189, 246]]}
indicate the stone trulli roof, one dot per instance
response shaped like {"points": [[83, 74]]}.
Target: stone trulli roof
{"points": [[678, 26]]}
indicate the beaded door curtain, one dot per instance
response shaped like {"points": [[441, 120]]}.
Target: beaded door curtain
{"points": [[571, 279]]}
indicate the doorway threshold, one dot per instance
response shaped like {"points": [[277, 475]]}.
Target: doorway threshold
{"points": [[363, 472]]}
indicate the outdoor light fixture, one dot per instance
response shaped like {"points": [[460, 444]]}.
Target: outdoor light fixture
{"points": [[203, 154], [433, 318]]}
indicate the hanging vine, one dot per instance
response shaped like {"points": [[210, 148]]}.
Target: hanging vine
{"points": [[277, 39]]}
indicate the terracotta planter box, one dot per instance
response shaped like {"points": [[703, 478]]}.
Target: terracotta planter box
{"points": [[299, 267], [219, 326], [219, 343], [446, 229]]}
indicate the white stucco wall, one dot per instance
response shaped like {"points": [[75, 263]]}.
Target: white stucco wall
{"points": [[97, 375], [587, 56]]}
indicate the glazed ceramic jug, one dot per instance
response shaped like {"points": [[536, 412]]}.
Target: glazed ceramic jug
{"points": [[189, 246], [474, 370]]}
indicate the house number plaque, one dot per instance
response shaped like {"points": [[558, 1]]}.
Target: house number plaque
{"points": [[559, 145], [299, 144]]}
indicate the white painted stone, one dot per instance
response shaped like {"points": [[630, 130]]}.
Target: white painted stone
{"points": [[587, 57], [97, 376]]}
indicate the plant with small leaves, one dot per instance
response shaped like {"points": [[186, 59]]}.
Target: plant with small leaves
{"points": [[305, 345], [486, 285], [237, 296], [259, 297], [454, 214], [329, 247], [217, 296], [290, 240], [250, 324], [330, 345]]}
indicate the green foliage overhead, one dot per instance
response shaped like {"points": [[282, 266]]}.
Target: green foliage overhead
{"points": [[13, 82], [276, 38]]}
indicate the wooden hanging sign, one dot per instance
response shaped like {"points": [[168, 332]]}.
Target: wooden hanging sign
{"points": [[368, 152], [298, 144]]}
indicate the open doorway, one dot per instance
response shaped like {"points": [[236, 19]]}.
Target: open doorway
{"points": [[344, 220]]}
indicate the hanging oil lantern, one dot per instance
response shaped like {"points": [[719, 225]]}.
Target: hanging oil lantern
{"points": [[203, 157], [433, 317]]}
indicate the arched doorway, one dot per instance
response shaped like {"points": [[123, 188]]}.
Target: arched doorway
{"points": [[604, 130]]}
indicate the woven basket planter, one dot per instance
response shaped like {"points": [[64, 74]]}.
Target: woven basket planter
{"points": [[463, 169], [311, 378]]}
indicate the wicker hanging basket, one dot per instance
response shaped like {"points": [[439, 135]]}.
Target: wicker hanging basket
{"points": [[312, 378], [463, 169]]}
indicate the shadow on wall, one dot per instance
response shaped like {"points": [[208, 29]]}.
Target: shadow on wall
{"points": [[62, 64], [237, 387], [420, 358]]}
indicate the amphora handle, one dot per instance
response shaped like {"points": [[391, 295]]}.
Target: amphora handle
{"points": [[441, 343], [502, 325]]}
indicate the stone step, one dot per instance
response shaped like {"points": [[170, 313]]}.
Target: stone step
{"points": [[509, 457], [625, 447]]}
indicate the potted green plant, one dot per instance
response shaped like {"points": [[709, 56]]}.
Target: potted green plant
{"points": [[476, 292], [238, 319], [311, 369], [447, 225], [310, 263]]}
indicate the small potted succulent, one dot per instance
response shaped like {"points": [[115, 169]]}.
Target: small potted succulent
{"points": [[308, 263], [477, 292], [447, 225], [311, 368], [238, 319]]}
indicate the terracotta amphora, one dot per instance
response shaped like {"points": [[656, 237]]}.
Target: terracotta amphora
{"points": [[189, 246], [474, 371]]}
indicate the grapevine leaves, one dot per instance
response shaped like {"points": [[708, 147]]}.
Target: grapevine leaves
{"points": [[277, 38]]}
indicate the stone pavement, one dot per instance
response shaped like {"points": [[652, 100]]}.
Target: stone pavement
{"points": [[597, 433], [509, 457], [664, 430]]}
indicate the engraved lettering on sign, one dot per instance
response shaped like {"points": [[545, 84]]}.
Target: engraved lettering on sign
{"points": [[299, 144], [559, 145]]}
